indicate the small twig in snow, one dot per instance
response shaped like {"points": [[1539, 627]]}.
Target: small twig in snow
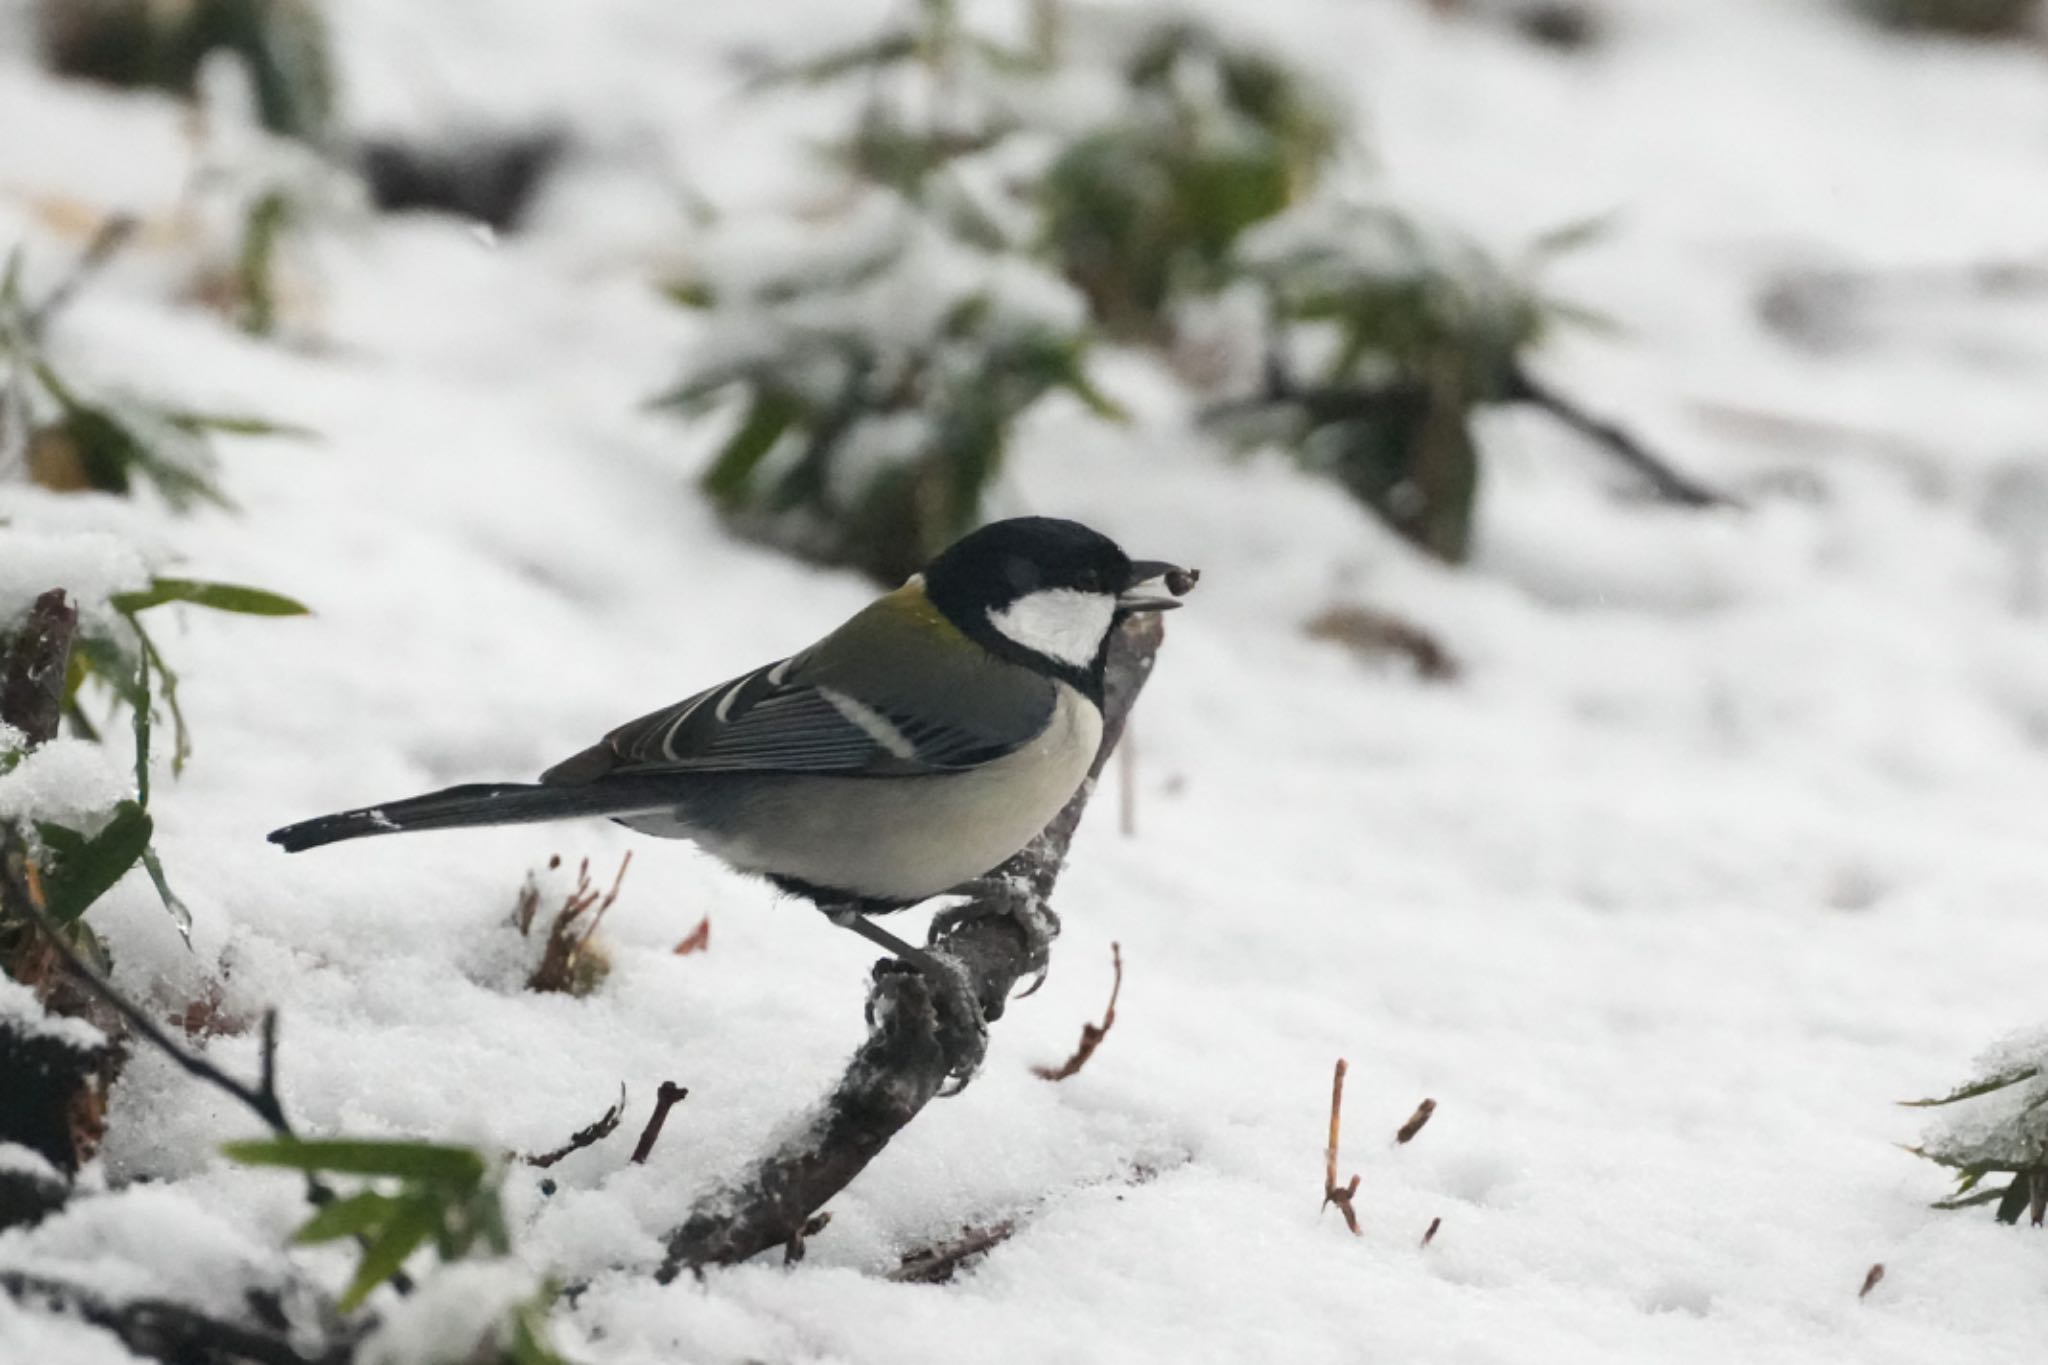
{"points": [[1091, 1034], [1333, 1193], [1871, 1280], [607, 1123], [665, 1099], [1429, 1233], [938, 1264], [1407, 1131], [698, 940], [563, 961], [793, 1250]]}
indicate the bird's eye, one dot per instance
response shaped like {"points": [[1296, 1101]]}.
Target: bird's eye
{"points": [[1022, 574]]}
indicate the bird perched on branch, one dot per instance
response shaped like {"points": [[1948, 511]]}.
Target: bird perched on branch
{"points": [[914, 749]]}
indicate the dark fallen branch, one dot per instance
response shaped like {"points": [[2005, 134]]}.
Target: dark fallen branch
{"points": [[607, 1123], [1665, 481], [938, 1264], [1091, 1034], [665, 1099], [907, 1057], [161, 1330]]}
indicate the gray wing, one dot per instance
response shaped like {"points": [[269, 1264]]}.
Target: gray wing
{"points": [[909, 701]]}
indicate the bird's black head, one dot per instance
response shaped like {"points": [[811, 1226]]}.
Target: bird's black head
{"points": [[1042, 592]]}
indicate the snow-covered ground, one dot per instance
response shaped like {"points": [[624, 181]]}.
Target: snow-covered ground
{"points": [[1731, 834]]}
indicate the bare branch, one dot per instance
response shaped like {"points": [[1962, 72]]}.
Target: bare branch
{"points": [[907, 1057], [1665, 480], [1429, 1233], [1871, 1280], [1091, 1034], [607, 1123]]}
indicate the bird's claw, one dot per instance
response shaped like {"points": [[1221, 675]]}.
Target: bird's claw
{"points": [[1009, 897]]}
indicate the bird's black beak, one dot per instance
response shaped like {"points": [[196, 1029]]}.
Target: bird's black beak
{"points": [[1140, 595]]}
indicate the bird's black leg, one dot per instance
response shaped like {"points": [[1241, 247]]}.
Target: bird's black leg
{"points": [[848, 918], [959, 1013]]}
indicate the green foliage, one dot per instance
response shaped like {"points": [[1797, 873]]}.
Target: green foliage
{"points": [[282, 44], [1214, 139], [448, 1196], [1411, 330], [80, 442], [875, 406], [84, 869], [2001, 1130], [1979, 18]]}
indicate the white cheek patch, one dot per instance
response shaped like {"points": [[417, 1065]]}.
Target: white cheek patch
{"points": [[1060, 623]]}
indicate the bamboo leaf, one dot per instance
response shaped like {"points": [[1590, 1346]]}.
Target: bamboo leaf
{"points": [[401, 1234], [401, 1158], [92, 866], [231, 424], [1976, 1088], [359, 1213], [232, 597]]}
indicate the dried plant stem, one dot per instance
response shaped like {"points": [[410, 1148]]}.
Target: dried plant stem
{"points": [[1091, 1034], [1333, 1193]]}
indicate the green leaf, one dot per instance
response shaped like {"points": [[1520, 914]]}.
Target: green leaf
{"points": [[1976, 1088], [219, 596], [410, 1224], [769, 416], [1575, 235], [228, 424], [405, 1159], [359, 1213], [181, 916], [87, 869]]}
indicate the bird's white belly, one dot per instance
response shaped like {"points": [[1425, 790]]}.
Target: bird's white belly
{"points": [[904, 838]]}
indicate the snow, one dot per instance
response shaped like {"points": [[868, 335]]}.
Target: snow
{"points": [[1729, 836]]}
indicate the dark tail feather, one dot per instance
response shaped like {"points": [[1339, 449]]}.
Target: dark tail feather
{"points": [[479, 803]]}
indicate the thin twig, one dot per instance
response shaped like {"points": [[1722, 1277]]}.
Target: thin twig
{"points": [[665, 1099], [1333, 1193], [938, 1264], [1407, 1131], [1091, 1034], [1871, 1279], [1429, 1233], [793, 1250], [606, 1124], [261, 1101], [1666, 481]]}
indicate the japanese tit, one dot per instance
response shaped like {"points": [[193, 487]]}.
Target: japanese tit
{"points": [[913, 749]]}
